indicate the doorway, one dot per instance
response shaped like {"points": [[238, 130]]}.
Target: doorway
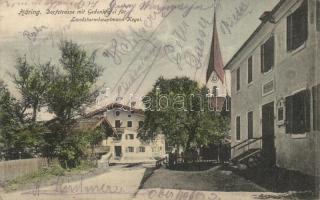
{"points": [[117, 150], [268, 146]]}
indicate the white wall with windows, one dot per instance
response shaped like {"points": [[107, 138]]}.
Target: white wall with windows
{"points": [[282, 60], [127, 124]]}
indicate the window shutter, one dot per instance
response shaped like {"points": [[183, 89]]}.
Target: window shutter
{"points": [[271, 46], [307, 99], [250, 125], [304, 23], [316, 107], [297, 27], [238, 133], [289, 114], [262, 58], [289, 33]]}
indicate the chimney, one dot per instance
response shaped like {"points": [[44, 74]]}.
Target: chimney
{"points": [[265, 16]]}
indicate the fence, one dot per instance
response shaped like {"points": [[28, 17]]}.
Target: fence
{"points": [[14, 168]]}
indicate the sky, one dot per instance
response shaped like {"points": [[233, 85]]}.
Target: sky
{"points": [[155, 41]]}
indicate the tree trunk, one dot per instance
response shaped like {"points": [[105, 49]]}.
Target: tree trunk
{"points": [[34, 113]]}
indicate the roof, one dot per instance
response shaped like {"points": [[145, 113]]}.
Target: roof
{"points": [[92, 123], [113, 106], [263, 16]]}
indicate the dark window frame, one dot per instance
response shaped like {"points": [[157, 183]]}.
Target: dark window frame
{"points": [[130, 136], [297, 27], [316, 107], [250, 70], [142, 149], [130, 148], [238, 82], [268, 55], [117, 123], [298, 113], [238, 128], [129, 124], [250, 124]]}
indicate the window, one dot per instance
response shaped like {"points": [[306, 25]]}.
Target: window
{"points": [[316, 107], [250, 69], [298, 113], [140, 124], [280, 114], [250, 125], [267, 55], [129, 136], [129, 123], [130, 149], [238, 128], [129, 115], [267, 88], [297, 27], [117, 123], [238, 79], [117, 113], [318, 15], [142, 149]]}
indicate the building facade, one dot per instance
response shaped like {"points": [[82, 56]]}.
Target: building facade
{"points": [[275, 88], [124, 144]]}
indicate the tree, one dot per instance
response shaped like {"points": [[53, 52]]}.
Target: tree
{"points": [[181, 110], [7, 117], [16, 136], [71, 90], [32, 82]]}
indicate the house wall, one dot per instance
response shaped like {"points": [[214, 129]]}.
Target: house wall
{"points": [[152, 149], [293, 71]]}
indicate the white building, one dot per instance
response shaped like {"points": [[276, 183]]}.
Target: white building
{"points": [[275, 89], [124, 144]]}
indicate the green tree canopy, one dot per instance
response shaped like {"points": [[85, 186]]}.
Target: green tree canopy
{"points": [[180, 109], [7, 117], [32, 82], [73, 87], [72, 90]]}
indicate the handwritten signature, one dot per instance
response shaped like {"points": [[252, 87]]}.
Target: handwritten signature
{"points": [[164, 9], [168, 194], [62, 188], [51, 4], [240, 11], [32, 35], [148, 49]]}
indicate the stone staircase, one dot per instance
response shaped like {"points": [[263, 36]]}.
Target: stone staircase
{"points": [[251, 157]]}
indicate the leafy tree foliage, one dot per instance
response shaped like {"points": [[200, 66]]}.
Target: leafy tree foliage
{"points": [[32, 82], [14, 135], [181, 110], [71, 90], [7, 117], [65, 90]]}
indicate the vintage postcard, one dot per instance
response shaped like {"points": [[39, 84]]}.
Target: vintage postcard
{"points": [[159, 99]]}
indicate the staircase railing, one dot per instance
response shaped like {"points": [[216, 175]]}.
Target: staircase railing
{"points": [[246, 144]]}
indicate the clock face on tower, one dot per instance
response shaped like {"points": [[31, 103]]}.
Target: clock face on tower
{"points": [[214, 77]]}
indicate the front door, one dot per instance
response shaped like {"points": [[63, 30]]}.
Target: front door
{"points": [[268, 148], [117, 150]]}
